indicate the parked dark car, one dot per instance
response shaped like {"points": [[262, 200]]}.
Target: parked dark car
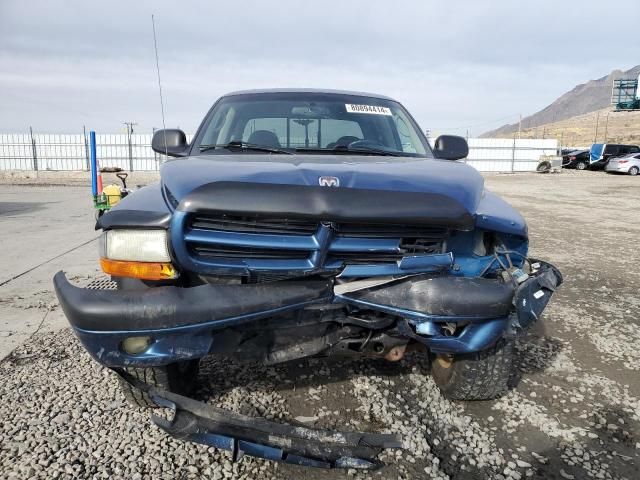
{"points": [[578, 159], [306, 223], [600, 153]]}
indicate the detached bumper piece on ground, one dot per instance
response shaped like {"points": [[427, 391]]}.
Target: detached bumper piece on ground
{"points": [[242, 435]]}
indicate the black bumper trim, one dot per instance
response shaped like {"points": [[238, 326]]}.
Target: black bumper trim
{"points": [[443, 296], [203, 423], [167, 307]]}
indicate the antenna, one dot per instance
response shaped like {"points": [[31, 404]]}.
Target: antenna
{"points": [[164, 126]]}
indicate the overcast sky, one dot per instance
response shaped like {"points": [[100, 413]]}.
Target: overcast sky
{"points": [[456, 65]]}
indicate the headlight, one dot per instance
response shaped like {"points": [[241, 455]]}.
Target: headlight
{"points": [[140, 254], [135, 245]]}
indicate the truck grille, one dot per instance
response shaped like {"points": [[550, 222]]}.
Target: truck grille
{"points": [[220, 251], [283, 244], [389, 231], [246, 224]]}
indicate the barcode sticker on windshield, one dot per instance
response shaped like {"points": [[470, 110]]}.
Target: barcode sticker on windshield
{"points": [[373, 109]]}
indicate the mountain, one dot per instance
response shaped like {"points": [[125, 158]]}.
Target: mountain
{"points": [[582, 99], [601, 126]]}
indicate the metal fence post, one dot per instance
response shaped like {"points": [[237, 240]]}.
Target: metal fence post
{"points": [[86, 147], [129, 135], [513, 155], [130, 150], [34, 152], [156, 158]]}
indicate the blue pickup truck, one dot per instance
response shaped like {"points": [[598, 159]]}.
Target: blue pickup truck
{"points": [[307, 223]]}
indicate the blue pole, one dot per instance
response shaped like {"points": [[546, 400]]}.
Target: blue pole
{"points": [[94, 166]]}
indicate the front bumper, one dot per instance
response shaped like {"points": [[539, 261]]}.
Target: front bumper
{"points": [[181, 322], [257, 437]]}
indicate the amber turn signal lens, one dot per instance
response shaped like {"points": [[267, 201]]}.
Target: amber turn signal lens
{"points": [[142, 270]]}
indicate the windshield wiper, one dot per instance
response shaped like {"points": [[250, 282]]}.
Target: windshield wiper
{"points": [[358, 151], [239, 145]]}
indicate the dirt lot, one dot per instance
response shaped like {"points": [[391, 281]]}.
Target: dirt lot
{"points": [[575, 414]]}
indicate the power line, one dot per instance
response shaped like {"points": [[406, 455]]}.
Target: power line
{"points": [[155, 45]]}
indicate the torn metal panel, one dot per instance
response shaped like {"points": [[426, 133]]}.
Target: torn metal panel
{"points": [[258, 437], [438, 296], [533, 295]]}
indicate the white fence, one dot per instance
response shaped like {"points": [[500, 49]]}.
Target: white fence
{"points": [[71, 152], [508, 154]]}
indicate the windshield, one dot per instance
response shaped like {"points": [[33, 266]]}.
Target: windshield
{"points": [[315, 123]]}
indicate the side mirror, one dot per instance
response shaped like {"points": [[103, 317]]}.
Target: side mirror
{"points": [[450, 147], [171, 142]]}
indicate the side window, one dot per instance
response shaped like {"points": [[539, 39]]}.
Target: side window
{"points": [[275, 125], [633, 149], [332, 130], [612, 150]]}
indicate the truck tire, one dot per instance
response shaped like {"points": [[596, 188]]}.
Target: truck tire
{"points": [[177, 378], [581, 166], [483, 375]]}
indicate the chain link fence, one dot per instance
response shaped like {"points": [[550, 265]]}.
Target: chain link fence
{"points": [[55, 152]]}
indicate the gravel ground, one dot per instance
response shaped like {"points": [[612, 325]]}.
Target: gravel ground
{"points": [[575, 414]]}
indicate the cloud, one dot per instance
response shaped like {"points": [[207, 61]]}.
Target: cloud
{"points": [[455, 65]]}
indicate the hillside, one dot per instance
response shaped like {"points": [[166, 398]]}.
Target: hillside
{"points": [[621, 127], [582, 99]]}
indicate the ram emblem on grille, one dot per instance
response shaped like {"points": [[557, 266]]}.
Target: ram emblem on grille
{"points": [[329, 181]]}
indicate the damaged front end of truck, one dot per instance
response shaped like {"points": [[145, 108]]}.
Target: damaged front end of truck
{"points": [[442, 280], [269, 251]]}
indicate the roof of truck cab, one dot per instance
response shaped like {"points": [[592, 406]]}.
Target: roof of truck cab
{"points": [[307, 90]]}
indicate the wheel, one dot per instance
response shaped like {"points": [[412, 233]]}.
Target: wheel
{"points": [[483, 375], [543, 167], [634, 171], [176, 377], [581, 166]]}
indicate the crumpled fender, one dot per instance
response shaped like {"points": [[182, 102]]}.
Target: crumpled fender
{"points": [[533, 295]]}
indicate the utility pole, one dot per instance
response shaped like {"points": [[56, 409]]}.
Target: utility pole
{"points": [[595, 138], [606, 127], [520, 126], [130, 126]]}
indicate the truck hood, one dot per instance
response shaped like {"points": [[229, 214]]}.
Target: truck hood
{"points": [[454, 180]]}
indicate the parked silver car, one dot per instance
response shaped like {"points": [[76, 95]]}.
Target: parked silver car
{"points": [[626, 164]]}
